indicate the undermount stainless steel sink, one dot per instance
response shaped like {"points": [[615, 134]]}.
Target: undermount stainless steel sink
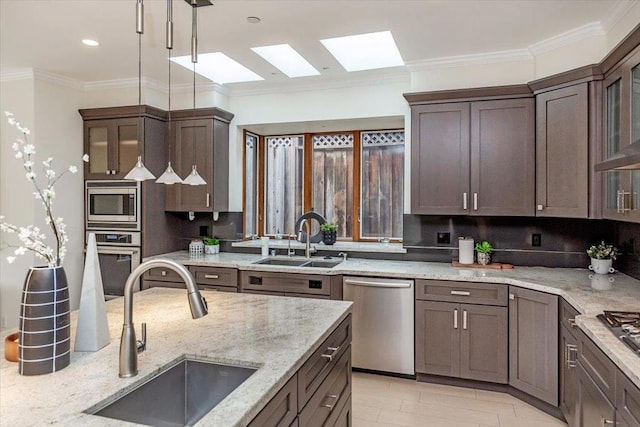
{"points": [[179, 395], [316, 263], [282, 261]]}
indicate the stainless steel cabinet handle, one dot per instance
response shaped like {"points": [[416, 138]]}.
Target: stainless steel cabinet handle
{"points": [[512, 296], [461, 293], [618, 201], [455, 319], [464, 319], [332, 354], [571, 348], [163, 273], [330, 405], [464, 201], [540, 207], [606, 422], [475, 201], [211, 276], [572, 323], [208, 199]]}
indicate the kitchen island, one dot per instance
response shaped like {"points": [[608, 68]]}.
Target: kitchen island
{"points": [[273, 334]]}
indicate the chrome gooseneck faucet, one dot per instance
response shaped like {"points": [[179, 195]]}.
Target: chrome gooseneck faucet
{"points": [[129, 347], [307, 249]]}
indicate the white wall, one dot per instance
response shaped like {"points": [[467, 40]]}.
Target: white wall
{"points": [[49, 110]]}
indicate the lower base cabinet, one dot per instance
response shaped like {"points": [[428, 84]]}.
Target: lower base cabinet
{"points": [[319, 394], [594, 409]]}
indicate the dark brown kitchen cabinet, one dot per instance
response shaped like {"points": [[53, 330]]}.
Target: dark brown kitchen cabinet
{"points": [[291, 284], [114, 137], [627, 401], [533, 343], [568, 363], [621, 189], [595, 410], [282, 409], [473, 158], [200, 139]]}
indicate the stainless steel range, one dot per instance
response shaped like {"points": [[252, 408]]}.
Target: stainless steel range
{"points": [[625, 325]]}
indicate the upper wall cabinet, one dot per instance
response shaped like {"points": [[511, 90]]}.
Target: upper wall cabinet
{"points": [[621, 190], [112, 138], [200, 139], [568, 123], [474, 157]]}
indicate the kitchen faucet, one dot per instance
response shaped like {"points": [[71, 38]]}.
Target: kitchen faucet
{"points": [[129, 347], [307, 249]]}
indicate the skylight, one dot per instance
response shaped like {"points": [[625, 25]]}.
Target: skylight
{"points": [[218, 67], [287, 60], [365, 51]]}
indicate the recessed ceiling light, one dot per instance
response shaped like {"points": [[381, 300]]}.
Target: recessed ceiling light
{"points": [[253, 19], [218, 67], [365, 51], [287, 60], [89, 42]]}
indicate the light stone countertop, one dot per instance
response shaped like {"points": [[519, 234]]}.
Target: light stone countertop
{"points": [[590, 294], [274, 334]]}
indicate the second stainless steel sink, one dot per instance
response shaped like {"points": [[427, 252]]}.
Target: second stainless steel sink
{"points": [[179, 395], [297, 262]]}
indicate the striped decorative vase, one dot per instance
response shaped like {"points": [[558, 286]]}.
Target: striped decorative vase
{"points": [[44, 326]]}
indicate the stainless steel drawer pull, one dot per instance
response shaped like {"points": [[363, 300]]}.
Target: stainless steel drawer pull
{"points": [[464, 319], [331, 355], [571, 348], [606, 422], [572, 323], [330, 405], [211, 276], [164, 273], [455, 319], [461, 293]]}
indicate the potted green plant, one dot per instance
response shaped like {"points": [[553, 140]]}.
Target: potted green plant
{"points": [[211, 245], [484, 249], [602, 256], [329, 230]]}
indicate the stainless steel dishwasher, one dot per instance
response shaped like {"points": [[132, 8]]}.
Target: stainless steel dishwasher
{"points": [[383, 323]]}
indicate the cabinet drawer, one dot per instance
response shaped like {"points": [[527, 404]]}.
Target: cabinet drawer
{"points": [[323, 407], [162, 274], [627, 400], [281, 410], [214, 275], [317, 367], [599, 367], [567, 316], [314, 296], [282, 282], [464, 292], [345, 416]]}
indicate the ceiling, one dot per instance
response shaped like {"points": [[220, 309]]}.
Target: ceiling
{"points": [[46, 34]]}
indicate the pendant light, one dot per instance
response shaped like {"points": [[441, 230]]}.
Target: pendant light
{"points": [[169, 177], [194, 177], [139, 172]]}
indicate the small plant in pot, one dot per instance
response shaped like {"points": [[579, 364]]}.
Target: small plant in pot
{"points": [[211, 245], [329, 230], [602, 256], [484, 249]]}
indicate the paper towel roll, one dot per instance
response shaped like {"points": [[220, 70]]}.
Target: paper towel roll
{"points": [[465, 250], [265, 245]]}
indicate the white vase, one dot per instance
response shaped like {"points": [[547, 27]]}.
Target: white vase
{"points": [[601, 266]]}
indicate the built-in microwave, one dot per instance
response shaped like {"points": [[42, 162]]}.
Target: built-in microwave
{"points": [[112, 205]]}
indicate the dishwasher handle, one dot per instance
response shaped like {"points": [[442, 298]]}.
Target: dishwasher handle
{"points": [[389, 284]]}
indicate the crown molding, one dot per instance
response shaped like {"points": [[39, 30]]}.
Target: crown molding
{"points": [[592, 29], [57, 79], [376, 78], [471, 59], [621, 8], [25, 74]]}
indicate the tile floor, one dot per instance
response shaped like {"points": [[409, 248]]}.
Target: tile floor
{"points": [[380, 401]]}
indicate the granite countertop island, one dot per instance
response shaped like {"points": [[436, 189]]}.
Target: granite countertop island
{"points": [[588, 293], [273, 334]]}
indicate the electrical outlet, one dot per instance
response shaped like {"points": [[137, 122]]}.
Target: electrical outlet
{"points": [[443, 238], [536, 239], [204, 230]]}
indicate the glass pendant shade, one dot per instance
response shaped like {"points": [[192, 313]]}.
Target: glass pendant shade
{"points": [[169, 177], [139, 172], [194, 178]]}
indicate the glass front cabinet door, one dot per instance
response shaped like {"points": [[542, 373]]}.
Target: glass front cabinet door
{"points": [[112, 146], [621, 128]]}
